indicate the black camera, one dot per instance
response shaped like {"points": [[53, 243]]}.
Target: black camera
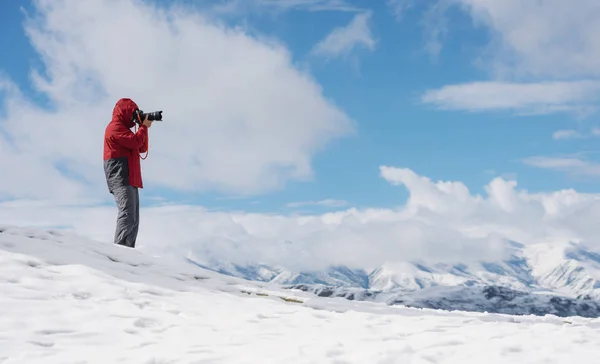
{"points": [[139, 116]]}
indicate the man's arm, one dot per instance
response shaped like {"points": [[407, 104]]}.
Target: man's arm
{"points": [[144, 147], [130, 140]]}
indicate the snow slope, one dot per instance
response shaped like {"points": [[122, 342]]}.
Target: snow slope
{"points": [[66, 299]]}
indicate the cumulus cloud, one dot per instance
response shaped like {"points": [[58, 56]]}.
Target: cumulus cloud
{"points": [[239, 117], [442, 221], [551, 45], [343, 40]]}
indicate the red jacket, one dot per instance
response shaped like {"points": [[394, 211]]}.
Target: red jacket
{"points": [[122, 147]]}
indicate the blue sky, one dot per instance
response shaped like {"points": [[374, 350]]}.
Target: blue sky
{"points": [[381, 90], [298, 129]]}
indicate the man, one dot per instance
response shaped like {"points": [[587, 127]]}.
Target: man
{"points": [[122, 168]]}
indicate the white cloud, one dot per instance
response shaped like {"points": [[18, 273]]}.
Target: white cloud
{"points": [[434, 22], [399, 7], [571, 165], [327, 202], [239, 117], [442, 221], [566, 134], [550, 45], [525, 98], [549, 39], [343, 40], [243, 6], [574, 134]]}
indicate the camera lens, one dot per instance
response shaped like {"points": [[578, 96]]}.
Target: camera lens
{"points": [[156, 115]]}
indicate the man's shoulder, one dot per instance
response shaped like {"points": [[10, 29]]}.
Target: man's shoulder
{"points": [[112, 128]]}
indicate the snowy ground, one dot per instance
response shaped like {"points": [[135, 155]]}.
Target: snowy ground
{"points": [[63, 300]]}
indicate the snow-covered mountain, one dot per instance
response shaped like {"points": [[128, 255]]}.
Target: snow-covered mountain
{"points": [[570, 269], [338, 276]]}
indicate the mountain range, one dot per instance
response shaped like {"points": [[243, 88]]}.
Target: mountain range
{"points": [[568, 271]]}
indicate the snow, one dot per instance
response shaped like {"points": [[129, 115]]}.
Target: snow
{"points": [[67, 299]]}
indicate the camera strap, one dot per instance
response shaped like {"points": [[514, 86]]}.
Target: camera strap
{"points": [[147, 136]]}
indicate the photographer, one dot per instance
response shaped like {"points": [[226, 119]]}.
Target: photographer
{"points": [[122, 148]]}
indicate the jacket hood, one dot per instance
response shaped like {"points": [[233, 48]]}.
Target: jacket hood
{"points": [[123, 111]]}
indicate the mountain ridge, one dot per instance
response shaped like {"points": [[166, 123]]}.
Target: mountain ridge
{"points": [[569, 269]]}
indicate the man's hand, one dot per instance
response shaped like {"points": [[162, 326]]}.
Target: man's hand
{"points": [[147, 122]]}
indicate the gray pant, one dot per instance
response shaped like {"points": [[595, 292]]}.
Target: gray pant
{"points": [[128, 217]]}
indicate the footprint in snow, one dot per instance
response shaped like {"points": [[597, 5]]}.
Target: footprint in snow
{"points": [[334, 352], [81, 295], [152, 292], [47, 344], [146, 343], [512, 349], [145, 322], [33, 263], [54, 332], [261, 316], [143, 304], [322, 316]]}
